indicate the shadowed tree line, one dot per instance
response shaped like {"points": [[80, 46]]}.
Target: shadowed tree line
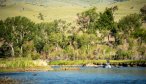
{"points": [[95, 36], [3, 3]]}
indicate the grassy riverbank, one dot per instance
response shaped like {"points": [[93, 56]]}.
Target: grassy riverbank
{"points": [[22, 64], [99, 62], [25, 64]]}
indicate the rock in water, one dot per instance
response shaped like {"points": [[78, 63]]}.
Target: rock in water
{"points": [[108, 65]]}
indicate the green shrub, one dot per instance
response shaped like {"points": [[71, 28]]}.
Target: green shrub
{"points": [[122, 54], [35, 55], [5, 51]]}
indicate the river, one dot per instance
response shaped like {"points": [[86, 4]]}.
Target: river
{"points": [[87, 75]]}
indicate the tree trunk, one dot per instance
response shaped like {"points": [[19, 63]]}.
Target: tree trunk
{"points": [[12, 50], [56, 46], [108, 38], [21, 48], [21, 51], [46, 57]]}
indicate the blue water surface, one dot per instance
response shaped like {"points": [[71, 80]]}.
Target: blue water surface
{"points": [[87, 75]]}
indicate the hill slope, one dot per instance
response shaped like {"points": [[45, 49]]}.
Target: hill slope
{"points": [[65, 9]]}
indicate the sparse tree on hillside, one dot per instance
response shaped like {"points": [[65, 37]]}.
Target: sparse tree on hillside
{"points": [[87, 19], [106, 20], [130, 23], [115, 8], [141, 35], [41, 17], [143, 12], [2, 3], [106, 23]]}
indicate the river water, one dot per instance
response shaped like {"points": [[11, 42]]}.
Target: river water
{"points": [[87, 75]]}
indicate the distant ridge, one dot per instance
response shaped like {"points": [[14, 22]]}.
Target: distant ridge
{"points": [[67, 2]]}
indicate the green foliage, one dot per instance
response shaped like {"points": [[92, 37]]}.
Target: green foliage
{"points": [[2, 28], [39, 45], [22, 37], [87, 20], [35, 55], [144, 18], [143, 10], [121, 54], [28, 48], [55, 38], [76, 62], [84, 62], [64, 42], [143, 13], [128, 27], [141, 49], [18, 63], [140, 33], [91, 13], [70, 52], [130, 23], [16, 31], [84, 40], [5, 51], [92, 21], [106, 20]]}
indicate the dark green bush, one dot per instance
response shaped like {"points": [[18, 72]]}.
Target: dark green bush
{"points": [[35, 56], [123, 54]]}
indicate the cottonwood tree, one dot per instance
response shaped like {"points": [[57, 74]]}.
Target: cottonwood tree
{"points": [[16, 31], [129, 24], [7, 34], [50, 36]]}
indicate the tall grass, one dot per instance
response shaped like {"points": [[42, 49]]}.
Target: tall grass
{"points": [[22, 64], [16, 63], [76, 62]]}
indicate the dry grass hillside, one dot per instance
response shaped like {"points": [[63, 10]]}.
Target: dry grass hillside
{"points": [[65, 9]]}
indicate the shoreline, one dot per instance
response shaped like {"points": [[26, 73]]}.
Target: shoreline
{"points": [[30, 69], [61, 68], [125, 63], [68, 65], [120, 65]]}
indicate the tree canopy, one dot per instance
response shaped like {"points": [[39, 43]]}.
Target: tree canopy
{"points": [[91, 38]]}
